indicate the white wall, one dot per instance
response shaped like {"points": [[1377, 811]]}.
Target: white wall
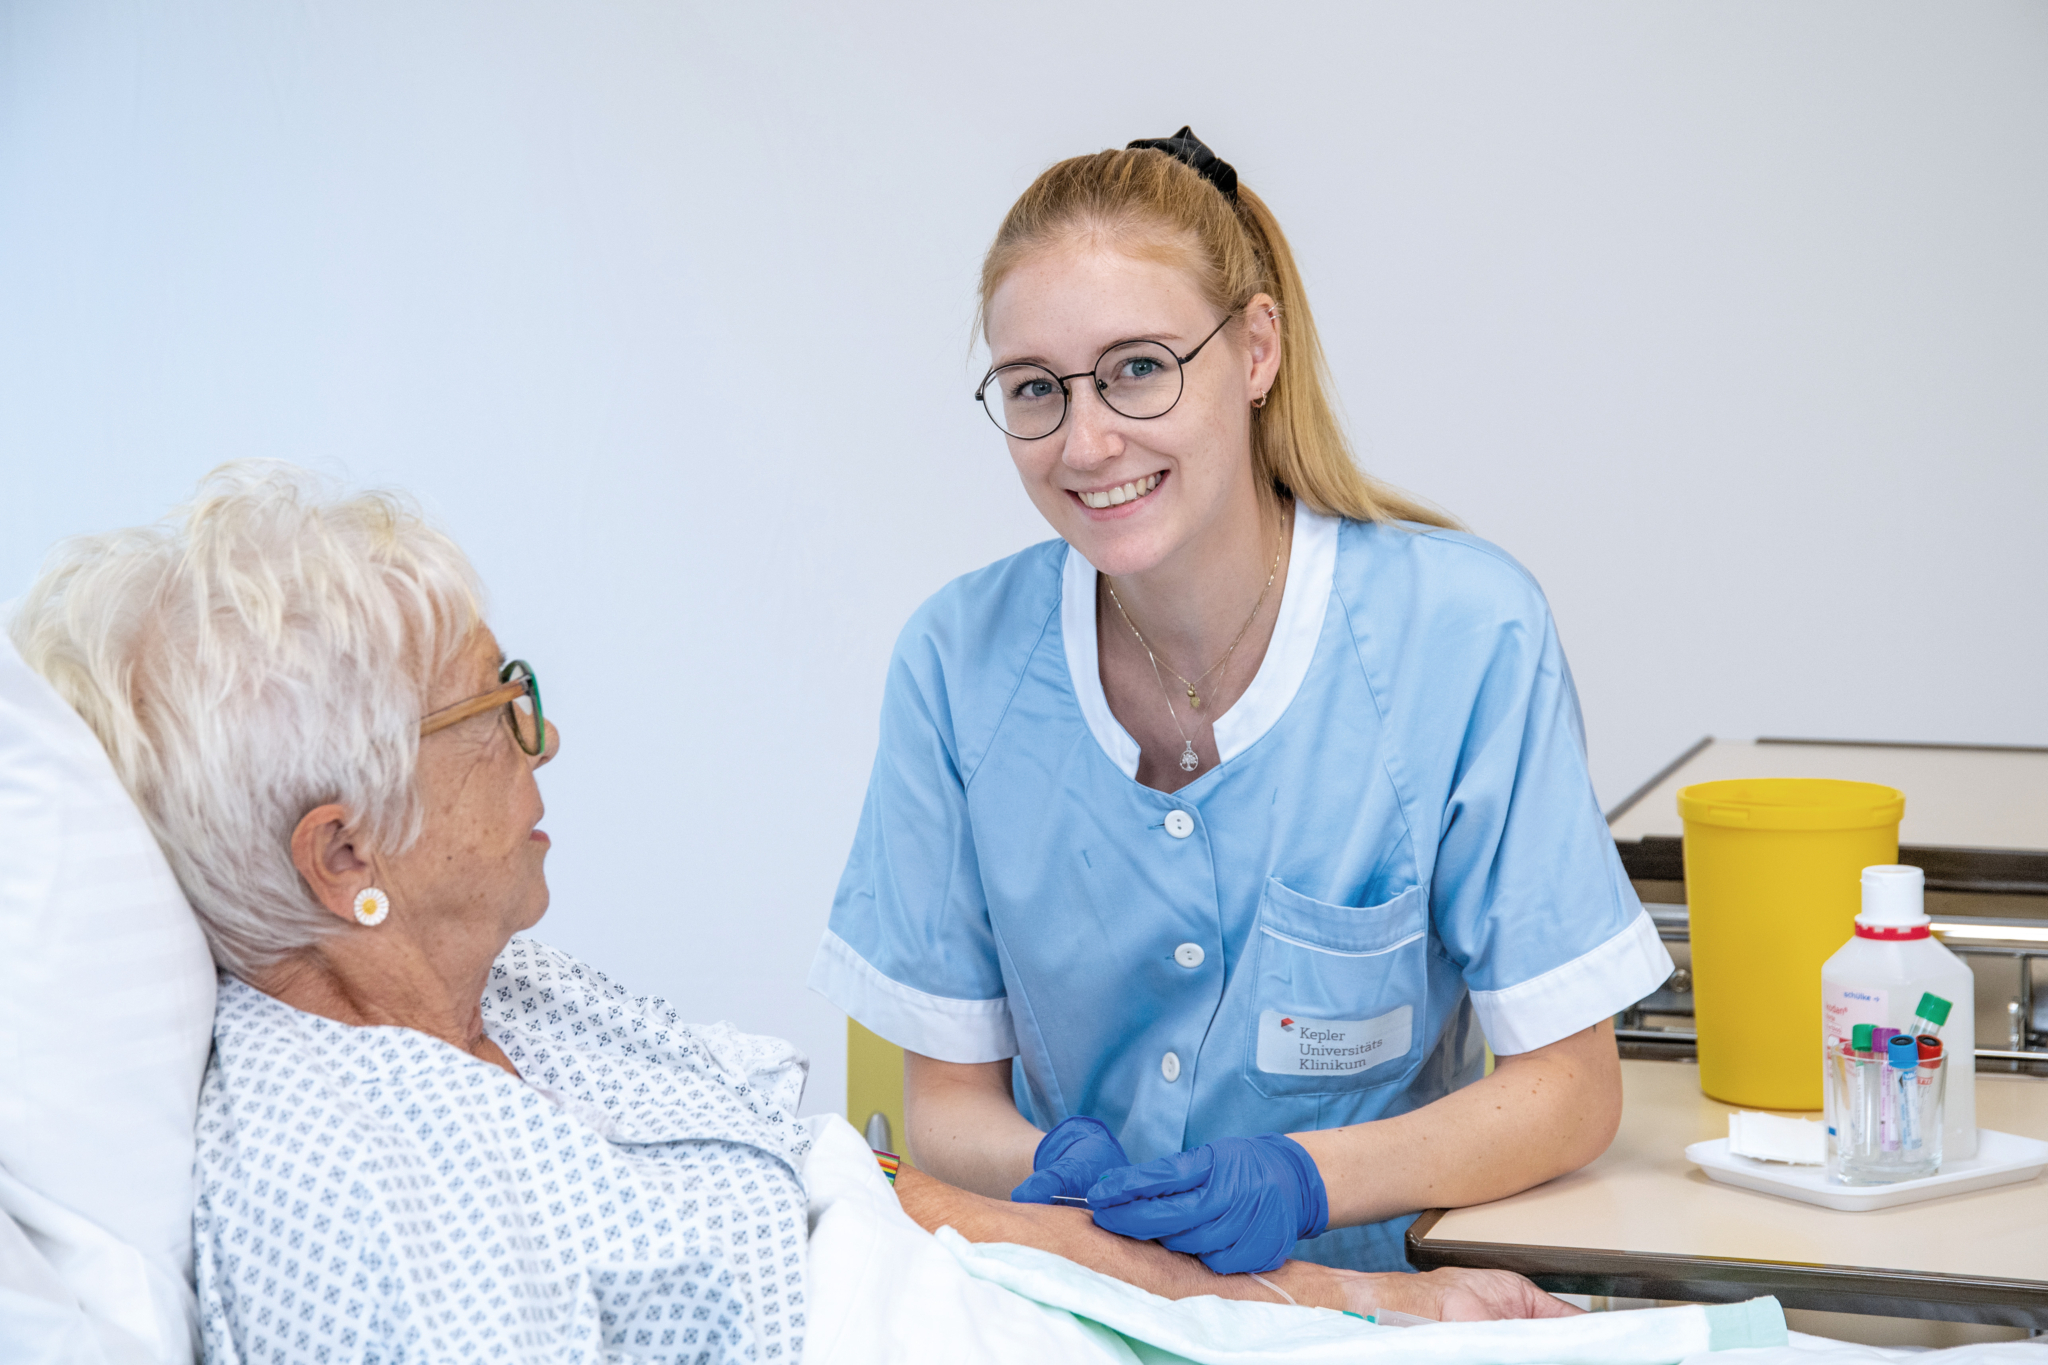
{"points": [[1731, 320]]}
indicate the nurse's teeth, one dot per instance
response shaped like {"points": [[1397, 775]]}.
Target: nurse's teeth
{"points": [[1116, 497]]}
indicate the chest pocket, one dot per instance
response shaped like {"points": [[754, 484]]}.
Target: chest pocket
{"points": [[1340, 994]]}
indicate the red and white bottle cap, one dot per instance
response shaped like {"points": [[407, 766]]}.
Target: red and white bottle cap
{"points": [[1894, 901]]}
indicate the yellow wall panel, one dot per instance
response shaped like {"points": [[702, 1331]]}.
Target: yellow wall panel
{"points": [[874, 1082]]}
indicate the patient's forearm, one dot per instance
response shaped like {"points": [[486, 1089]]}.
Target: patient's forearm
{"points": [[1447, 1294], [1071, 1233]]}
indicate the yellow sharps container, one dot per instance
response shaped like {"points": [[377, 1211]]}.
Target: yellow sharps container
{"points": [[1773, 870]]}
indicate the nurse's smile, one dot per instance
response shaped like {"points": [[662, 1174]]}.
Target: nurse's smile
{"points": [[1109, 499]]}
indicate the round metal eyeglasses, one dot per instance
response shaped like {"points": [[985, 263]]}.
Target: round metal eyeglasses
{"points": [[1137, 379], [518, 691]]}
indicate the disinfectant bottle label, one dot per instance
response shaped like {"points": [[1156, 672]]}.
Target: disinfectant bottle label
{"points": [[1842, 1008]]}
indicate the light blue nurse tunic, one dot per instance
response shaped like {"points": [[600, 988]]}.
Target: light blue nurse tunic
{"points": [[1398, 855]]}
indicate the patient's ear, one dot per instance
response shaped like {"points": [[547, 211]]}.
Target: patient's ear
{"points": [[334, 866]]}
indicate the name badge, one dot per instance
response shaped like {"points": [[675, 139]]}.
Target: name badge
{"points": [[1293, 1046]]}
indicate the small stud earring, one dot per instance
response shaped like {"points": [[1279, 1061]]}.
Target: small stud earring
{"points": [[372, 906], [1260, 401]]}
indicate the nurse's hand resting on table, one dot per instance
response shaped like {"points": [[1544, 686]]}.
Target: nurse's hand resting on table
{"points": [[1239, 1203], [1069, 1159]]}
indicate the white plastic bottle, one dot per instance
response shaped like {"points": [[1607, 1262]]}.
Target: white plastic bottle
{"points": [[1880, 976]]}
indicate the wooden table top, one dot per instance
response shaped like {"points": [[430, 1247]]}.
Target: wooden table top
{"points": [[1642, 1221]]}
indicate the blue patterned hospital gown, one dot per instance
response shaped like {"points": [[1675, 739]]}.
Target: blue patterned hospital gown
{"points": [[376, 1195]]}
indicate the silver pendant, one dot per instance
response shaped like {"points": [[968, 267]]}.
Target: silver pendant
{"points": [[1189, 759]]}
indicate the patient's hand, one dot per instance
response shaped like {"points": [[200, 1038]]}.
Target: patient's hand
{"points": [[1449, 1295], [1452, 1295]]}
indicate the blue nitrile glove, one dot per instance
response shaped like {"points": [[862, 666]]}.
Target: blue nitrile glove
{"points": [[1239, 1203], [1069, 1159]]}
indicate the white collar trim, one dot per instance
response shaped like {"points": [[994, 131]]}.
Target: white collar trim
{"points": [[1311, 573]]}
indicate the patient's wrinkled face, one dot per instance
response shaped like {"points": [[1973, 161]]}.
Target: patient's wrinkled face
{"points": [[476, 868]]}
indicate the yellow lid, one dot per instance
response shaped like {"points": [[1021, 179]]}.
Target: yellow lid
{"points": [[1791, 803]]}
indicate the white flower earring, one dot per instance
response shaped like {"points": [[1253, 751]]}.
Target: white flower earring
{"points": [[372, 906]]}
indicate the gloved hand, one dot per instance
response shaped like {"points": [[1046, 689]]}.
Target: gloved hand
{"points": [[1069, 1159], [1238, 1203]]}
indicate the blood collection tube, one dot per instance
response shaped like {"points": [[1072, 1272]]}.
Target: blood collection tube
{"points": [[1862, 1099], [1902, 1088], [1929, 1015]]}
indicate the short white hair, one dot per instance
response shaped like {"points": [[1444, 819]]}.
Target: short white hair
{"points": [[265, 649]]}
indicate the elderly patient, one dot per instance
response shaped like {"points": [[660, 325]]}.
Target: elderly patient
{"points": [[421, 1136]]}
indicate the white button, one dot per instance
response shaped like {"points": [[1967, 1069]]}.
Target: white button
{"points": [[1169, 1066], [1179, 824], [1189, 955]]}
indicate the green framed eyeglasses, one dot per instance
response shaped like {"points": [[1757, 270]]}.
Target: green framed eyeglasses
{"points": [[518, 691]]}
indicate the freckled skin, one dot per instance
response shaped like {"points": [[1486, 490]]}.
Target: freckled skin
{"points": [[475, 862], [473, 878], [1062, 308]]}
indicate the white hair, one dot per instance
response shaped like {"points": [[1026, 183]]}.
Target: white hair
{"points": [[265, 649]]}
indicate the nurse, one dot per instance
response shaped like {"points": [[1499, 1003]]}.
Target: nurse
{"points": [[1208, 843]]}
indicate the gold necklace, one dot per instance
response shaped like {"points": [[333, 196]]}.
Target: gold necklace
{"points": [[1189, 759]]}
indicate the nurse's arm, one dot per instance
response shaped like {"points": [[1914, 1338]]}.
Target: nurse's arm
{"points": [[962, 1124], [1443, 1294], [1539, 1115]]}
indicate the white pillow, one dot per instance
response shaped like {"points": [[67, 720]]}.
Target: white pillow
{"points": [[106, 1018]]}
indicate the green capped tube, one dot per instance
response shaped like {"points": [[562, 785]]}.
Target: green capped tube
{"points": [[1929, 1015]]}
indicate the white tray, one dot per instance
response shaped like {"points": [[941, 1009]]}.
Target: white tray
{"points": [[2002, 1159]]}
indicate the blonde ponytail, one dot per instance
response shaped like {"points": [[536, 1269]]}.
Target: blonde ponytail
{"points": [[1151, 205]]}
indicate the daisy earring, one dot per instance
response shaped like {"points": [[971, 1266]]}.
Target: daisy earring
{"points": [[372, 906]]}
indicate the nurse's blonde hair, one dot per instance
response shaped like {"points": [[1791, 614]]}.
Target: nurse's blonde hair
{"points": [[1149, 204]]}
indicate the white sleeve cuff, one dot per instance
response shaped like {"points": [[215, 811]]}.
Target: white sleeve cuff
{"points": [[936, 1026], [1577, 995]]}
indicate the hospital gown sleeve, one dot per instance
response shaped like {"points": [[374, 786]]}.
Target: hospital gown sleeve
{"points": [[1528, 896], [909, 951]]}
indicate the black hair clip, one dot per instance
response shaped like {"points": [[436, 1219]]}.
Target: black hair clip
{"points": [[1184, 146]]}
